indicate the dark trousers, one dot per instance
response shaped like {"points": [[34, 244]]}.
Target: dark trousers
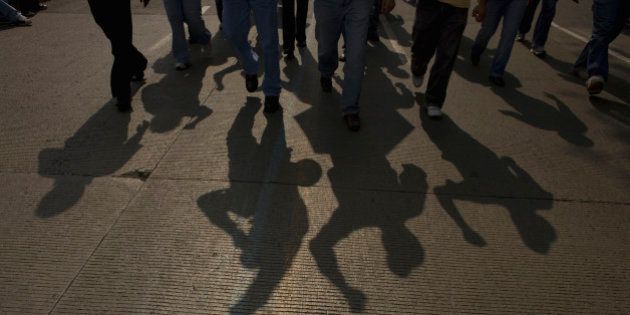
{"points": [[376, 11], [114, 17], [438, 31], [219, 5], [293, 24], [609, 18], [543, 24]]}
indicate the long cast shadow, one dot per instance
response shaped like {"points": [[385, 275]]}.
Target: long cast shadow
{"points": [[490, 179], [99, 148], [369, 191], [278, 212]]}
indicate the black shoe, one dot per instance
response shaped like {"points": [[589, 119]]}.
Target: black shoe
{"points": [[289, 56], [474, 60], [301, 44], [124, 106], [352, 121], [373, 37], [138, 75], [251, 82], [498, 81], [272, 104], [326, 84]]}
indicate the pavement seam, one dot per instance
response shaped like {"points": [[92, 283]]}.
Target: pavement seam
{"points": [[97, 247]]}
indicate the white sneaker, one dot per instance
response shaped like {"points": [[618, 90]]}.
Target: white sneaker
{"points": [[418, 80], [434, 112], [595, 84]]}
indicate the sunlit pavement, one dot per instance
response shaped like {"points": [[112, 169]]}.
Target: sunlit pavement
{"points": [[518, 201]]}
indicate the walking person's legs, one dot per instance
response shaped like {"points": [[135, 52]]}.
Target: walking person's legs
{"points": [[196, 26], [356, 23], [494, 12], [541, 32], [300, 22], [452, 29], [288, 27], [426, 33], [267, 26], [236, 26], [528, 18], [175, 13], [327, 32], [512, 17]]}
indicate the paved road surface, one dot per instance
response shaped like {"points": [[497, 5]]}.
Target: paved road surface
{"points": [[197, 202]]}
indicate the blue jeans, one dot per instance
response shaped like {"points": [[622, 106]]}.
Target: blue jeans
{"points": [[609, 17], [8, 12], [353, 17], [236, 17], [189, 11], [512, 12], [543, 24]]}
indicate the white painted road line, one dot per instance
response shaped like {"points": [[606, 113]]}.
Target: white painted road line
{"points": [[585, 40]]}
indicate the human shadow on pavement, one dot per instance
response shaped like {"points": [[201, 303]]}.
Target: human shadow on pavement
{"points": [[278, 215], [369, 191], [492, 180], [176, 95], [99, 148], [618, 111], [529, 110]]}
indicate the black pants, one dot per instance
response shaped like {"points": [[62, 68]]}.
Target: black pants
{"points": [[438, 30], [293, 25], [114, 17], [219, 5]]}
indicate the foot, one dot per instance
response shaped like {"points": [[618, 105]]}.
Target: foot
{"points": [[123, 106], [579, 72], [41, 7], [520, 37], [181, 66], [373, 37], [352, 121], [272, 104], [434, 112], [21, 20], [251, 82], [326, 84], [138, 75], [595, 84], [498, 81], [417, 80], [289, 56], [474, 60], [342, 57], [301, 44], [538, 51]]}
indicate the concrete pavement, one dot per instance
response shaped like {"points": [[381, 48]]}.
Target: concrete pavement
{"points": [[197, 202]]}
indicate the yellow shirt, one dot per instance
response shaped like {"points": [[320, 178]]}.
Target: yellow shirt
{"points": [[457, 3]]}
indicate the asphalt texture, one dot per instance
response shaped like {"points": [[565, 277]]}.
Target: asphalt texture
{"points": [[197, 202]]}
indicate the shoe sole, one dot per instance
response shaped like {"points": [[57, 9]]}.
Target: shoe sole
{"points": [[595, 88]]}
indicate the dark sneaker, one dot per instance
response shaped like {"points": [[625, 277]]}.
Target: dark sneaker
{"points": [[289, 56], [123, 106], [520, 37], [373, 37], [301, 44], [181, 66], [595, 84], [326, 84], [498, 81], [272, 104], [538, 52], [352, 121], [474, 60], [138, 75], [251, 82]]}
